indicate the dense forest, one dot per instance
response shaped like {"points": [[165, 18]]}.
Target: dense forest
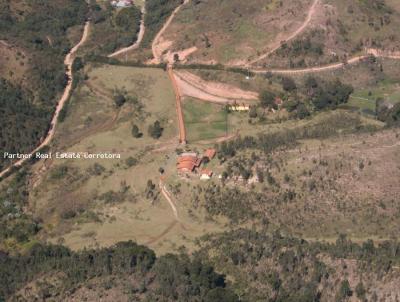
{"points": [[168, 278], [39, 28], [260, 266]]}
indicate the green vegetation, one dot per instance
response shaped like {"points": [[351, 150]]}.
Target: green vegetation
{"points": [[22, 123], [260, 266], [204, 120], [159, 278], [283, 268], [16, 225]]}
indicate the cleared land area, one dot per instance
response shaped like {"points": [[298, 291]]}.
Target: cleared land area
{"points": [[87, 203], [339, 30], [233, 31]]}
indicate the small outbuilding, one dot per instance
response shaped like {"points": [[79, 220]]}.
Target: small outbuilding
{"points": [[210, 153], [206, 174]]}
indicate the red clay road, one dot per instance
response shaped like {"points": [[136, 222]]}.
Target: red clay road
{"points": [[178, 98]]}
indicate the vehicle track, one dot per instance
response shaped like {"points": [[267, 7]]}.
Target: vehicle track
{"points": [[193, 85], [310, 14]]}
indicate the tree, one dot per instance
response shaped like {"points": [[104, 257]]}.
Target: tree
{"points": [[267, 99], [119, 100], [136, 132], [288, 84], [155, 130]]}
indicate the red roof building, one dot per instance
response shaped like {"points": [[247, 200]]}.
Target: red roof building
{"points": [[188, 163]]}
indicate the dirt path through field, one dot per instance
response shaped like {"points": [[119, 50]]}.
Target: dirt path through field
{"points": [[165, 232], [156, 46], [167, 196], [69, 60], [139, 37], [277, 45]]}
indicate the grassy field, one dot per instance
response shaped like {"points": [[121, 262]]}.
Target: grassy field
{"points": [[101, 201], [204, 120], [89, 203], [387, 90]]}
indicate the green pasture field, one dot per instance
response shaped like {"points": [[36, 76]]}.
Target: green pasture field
{"points": [[204, 120]]}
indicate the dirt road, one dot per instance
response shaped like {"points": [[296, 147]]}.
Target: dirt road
{"points": [[277, 45], [139, 37], [69, 59], [155, 46], [194, 86], [167, 196], [369, 52], [312, 69], [179, 111]]}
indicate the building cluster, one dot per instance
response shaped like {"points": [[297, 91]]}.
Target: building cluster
{"points": [[122, 3], [190, 162]]}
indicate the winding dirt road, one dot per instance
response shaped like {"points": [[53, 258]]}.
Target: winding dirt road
{"points": [[139, 38], [369, 52], [298, 31], [69, 60], [155, 46]]}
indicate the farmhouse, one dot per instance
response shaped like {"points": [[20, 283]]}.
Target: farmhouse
{"points": [[188, 162]]}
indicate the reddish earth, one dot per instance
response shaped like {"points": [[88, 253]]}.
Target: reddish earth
{"points": [[159, 46], [194, 86], [178, 98]]}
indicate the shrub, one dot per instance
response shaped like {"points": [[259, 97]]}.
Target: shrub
{"points": [[155, 130]]}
